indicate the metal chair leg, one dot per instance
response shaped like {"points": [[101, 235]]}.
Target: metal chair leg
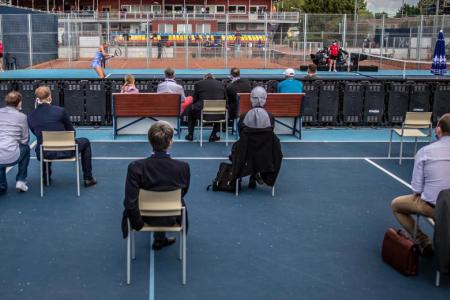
{"points": [[237, 187], [401, 150], [226, 129], [184, 246], [77, 165], [390, 144], [201, 130], [273, 191], [41, 167], [129, 256], [438, 279]]}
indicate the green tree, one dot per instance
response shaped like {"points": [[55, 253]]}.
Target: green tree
{"points": [[289, 5], [408, 10], [380, 15], [333, 6]]}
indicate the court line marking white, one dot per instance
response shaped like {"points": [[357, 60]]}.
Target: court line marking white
{"points": [[225, 158], [151, 286], [387, 172], [230, 141]]}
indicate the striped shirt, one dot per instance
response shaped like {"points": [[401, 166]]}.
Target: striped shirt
{"points": [[13, 131]]}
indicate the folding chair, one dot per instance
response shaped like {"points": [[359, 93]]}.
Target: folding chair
{"points": [[159, 204], [414, 121], [56, 141], [214, 107]]}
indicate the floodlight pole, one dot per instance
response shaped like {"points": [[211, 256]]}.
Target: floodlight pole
{"points": [[437, 7]]}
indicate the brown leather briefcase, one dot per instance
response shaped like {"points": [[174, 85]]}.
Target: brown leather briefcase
{"points": [[400, 251]]}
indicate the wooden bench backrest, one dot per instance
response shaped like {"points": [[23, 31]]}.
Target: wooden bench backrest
{"points": [[280, 105], [146, 105]]}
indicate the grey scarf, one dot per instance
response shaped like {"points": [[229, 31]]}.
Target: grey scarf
{"points": [[257, 117]]}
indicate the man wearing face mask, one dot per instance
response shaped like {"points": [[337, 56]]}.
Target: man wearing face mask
{"points": [[14, 149], [54, 118], [431, 175]]}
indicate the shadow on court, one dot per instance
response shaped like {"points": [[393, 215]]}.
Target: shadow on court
{"points": [[319, 238]]}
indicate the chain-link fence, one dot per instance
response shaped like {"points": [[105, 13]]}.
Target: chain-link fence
{"points": [[194, 40]]}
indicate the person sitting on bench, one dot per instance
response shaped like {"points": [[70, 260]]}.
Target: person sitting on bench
{"points": [[257, 117]]}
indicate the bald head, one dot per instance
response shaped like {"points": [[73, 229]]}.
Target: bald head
{"points": [[43, 94]]}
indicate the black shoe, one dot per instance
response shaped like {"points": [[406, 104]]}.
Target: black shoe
{"points": [[159, 244], [214, 138], [90, 182], [2, 192], [252, 183], [189, 137], [428, 251]]}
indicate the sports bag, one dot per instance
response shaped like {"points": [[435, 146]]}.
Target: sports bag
{"points": [[400, 251], [224, 179]]}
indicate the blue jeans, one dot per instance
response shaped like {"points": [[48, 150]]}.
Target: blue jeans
{"points": [[22, 162]]}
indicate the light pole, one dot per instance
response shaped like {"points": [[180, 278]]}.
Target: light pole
{"points": [[437, 7]]}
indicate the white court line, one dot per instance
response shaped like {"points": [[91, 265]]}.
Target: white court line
{"points": [[388, 173], [288, 141], [151, 285], [226, 157]]}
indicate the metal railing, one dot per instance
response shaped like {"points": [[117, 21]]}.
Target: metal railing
{"points": [[139, 16]]}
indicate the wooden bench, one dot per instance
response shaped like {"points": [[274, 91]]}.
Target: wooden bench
{"points": [[279, 105], [145, 105]]}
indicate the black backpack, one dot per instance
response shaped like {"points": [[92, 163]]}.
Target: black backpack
{"points": [[224, 179]]}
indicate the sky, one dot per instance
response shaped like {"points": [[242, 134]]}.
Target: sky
{"points": [[389, 6]]}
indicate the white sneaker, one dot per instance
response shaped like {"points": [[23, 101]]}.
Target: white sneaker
{"points": [[21, 186]]}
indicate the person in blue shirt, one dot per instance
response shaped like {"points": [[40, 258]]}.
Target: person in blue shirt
{"points": [[289, 84]]}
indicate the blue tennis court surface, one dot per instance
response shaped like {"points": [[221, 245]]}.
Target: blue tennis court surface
{"points": [[308, 242], [79, 74]]}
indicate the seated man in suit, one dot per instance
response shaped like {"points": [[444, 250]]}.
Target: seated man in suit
{"points": [[237, 85], [159, 172], [206, 89], [431, 174], [54, 118]]}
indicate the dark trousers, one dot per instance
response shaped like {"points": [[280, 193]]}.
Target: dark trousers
{"points": [[22, 163], [194, 116], [84, 148], [165, 221]]}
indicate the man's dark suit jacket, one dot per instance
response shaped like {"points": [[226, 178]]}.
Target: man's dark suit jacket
{"points": [[207, 89], [156, 173], [241, 85], [47, 117]]}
